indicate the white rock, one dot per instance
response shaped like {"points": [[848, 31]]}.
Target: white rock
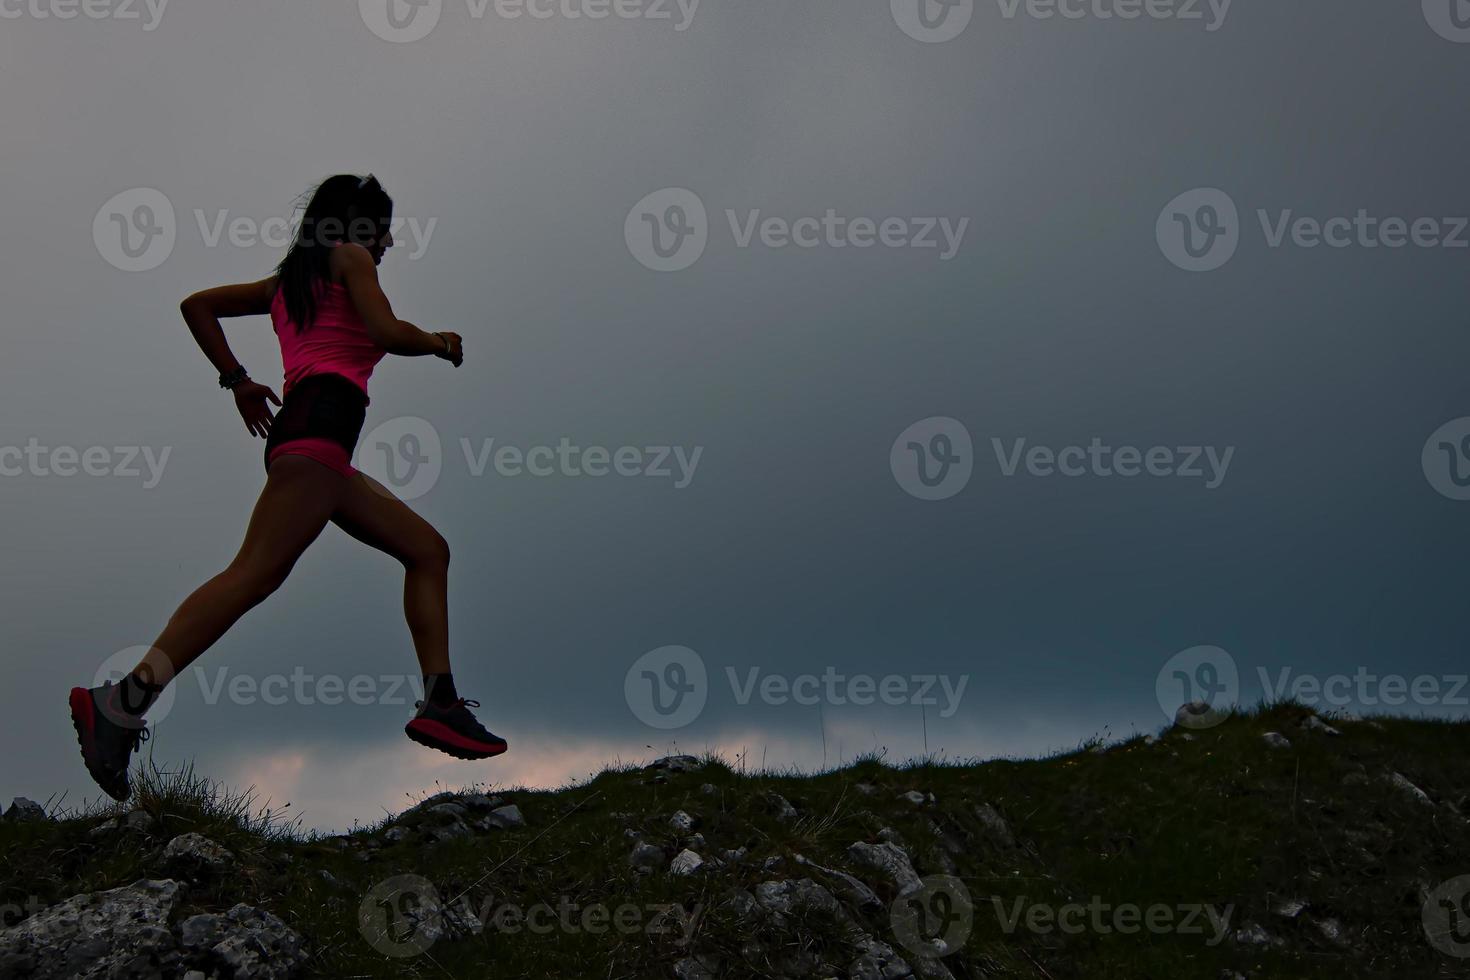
{"points": [[506, 817], [646, 857], [1398, 781], [686, 862], [24, 809], [1315, 724], [1276, 740], [1199, 714], [198, 850], [890, 860], [992, 821], [676, 763]]}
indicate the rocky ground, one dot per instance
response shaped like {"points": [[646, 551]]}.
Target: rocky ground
{"points": [[1262, 845]]}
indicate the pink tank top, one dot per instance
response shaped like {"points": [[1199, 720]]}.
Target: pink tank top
{"points": [[337, 341]]}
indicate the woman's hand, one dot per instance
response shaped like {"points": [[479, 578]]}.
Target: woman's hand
{"points": [[453, 347], [253, 402]]}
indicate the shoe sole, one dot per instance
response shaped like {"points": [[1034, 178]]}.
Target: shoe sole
{"points": [[433, 735], [84, 720]]}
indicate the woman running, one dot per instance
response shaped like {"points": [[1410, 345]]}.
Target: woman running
{"points": [[334, 325]]}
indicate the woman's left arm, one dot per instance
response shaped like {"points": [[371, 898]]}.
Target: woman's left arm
{"points": [[202, 312]]}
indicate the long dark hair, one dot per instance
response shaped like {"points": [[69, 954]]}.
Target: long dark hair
{"points": [[344, 208]]}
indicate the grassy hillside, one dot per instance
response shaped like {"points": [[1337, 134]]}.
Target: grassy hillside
{"points": [[1314, 859]]}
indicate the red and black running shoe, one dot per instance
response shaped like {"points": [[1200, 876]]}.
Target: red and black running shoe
{"points": [[452, 729], [108, 737]]}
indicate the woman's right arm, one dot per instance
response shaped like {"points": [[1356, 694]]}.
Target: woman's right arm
{"points": [[360, 276]]}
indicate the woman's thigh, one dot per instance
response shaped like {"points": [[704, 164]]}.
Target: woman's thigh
{"points": [[299, 498], [371, 514]]}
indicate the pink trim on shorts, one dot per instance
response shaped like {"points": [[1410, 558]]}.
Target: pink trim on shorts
{"points": [[324, 451]]}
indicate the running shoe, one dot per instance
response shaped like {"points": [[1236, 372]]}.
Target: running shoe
{"points": [[107, 746], [452, 729]]}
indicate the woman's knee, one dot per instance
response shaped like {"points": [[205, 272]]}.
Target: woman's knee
{"points": [[429, 550]]}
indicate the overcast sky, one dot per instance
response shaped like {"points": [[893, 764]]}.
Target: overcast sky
{"points": [[881, 446]]}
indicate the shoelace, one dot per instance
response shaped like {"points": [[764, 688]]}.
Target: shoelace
{"points": [[139, 737], [461, 703]]}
